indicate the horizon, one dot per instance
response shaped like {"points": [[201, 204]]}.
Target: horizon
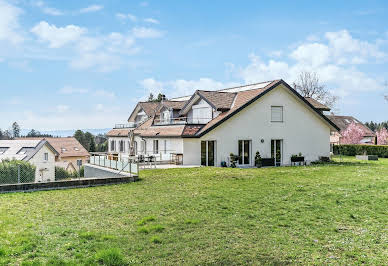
{"points": [[70, 65]]}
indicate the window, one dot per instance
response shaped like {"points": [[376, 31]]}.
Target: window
{"points": [[244, 152], [63, 150], [208, 153], [276, 113], [2, 150], [112, 145], [46, 156], [135, 147], [156, 146], [165, 146], [143, 147], [79, 162], [122, 146], [24, 150], [76, 149]]}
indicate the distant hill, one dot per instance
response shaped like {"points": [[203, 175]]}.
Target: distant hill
{"points": [[68, 132]]}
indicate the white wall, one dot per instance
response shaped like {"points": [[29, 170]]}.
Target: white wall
{"points": [[45, 170], [302, 131]]}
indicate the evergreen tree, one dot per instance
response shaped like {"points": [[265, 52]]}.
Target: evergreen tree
{"points": [[15, 130], [80, 136]]}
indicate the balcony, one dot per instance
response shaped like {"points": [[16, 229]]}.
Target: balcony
{"points": [[126, 125], [181, 121]]}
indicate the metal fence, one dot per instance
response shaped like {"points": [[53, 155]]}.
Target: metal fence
{"points": [[13, 173], [122, 165]]}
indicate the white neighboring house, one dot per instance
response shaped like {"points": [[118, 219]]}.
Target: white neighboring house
{"points": [[37, 152], [269, 117]]}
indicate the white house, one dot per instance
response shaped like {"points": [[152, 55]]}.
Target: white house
{"points": [[206, 127], [37, 152]]}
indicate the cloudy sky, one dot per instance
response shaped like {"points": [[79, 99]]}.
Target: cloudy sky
{"points": [[84, 64]]}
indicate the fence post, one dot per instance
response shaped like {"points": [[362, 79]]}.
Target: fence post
{"points": [[19, 174]]}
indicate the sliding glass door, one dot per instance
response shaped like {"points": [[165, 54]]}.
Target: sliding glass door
{"points": [[277, 151], [208, 153], [244, 152]]}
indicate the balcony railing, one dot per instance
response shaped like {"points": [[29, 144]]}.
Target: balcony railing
{"points": [[181, 121], [127, 125]]}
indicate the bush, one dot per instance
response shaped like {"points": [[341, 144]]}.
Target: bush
{"points": [[111, 257], [9, 172], [357, 149], [61, 173]]}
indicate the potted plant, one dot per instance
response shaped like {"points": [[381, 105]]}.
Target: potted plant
{"points": [[258, 160], [233, 160], [297, 158]]}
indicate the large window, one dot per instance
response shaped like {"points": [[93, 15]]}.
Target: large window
{"points": [[276, 113], [112, 145], [122, 146], [244, 151], [165, 146], [208, 153], [156, 146]]}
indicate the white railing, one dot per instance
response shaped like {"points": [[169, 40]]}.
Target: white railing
{"points": [[122, 165], [127, 125], [181, 121]]}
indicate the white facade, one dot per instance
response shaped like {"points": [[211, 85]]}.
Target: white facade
{"points": [[44, 160], [279, 124], [302, 131]]}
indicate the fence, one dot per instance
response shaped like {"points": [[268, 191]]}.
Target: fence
{"points": [[14, 172], [122, 165]]}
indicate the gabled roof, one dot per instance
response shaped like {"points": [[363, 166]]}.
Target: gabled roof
{"points": [[317, 104], [245, 98], [31, 147], [344, 121], [148, 107], [175, 105], [66, 147]]}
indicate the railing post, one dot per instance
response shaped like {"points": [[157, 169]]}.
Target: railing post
{"points": [[18, 173]]}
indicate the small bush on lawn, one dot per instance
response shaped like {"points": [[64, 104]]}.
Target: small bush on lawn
{"points": [[146, 220], [156, 240], [9, 172], [357, 149], [110, 257]]}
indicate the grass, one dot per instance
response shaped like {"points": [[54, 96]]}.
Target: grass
{"points": [[324, 214]]}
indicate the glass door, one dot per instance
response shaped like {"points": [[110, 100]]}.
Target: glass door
{"points": [[208, 153], [277, 151], [244, 152]]}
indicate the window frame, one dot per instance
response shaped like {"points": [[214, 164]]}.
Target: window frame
{"points": [[282, 113], [45, 156], [155, 146]]}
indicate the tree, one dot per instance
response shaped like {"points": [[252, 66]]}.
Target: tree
{"points": [[15, 130], [382, 136], [151, 97], [90, 144], [80, 136], [159, 98], [352, 134], [309, 85], [7, 134]]}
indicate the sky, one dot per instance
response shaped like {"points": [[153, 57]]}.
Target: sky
{"points": [[85, 64]]}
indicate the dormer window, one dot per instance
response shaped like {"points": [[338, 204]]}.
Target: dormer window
{"points": [[276, 113], [63, 150], [76, 149], [3, 150], [24, 150]]}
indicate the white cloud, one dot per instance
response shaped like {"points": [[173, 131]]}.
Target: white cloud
{"points": [[312, 54], [143, 33], [62, 108], [277, 53], [71, 90], [9, 23], [91, 8], [151, 20], [48, 10], [57, 36], [101, 61], [124, 17], [181, 87]]}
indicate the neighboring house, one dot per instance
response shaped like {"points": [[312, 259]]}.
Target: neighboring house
{"points": [[343, 122], [71, 154], [269, 117], [37, 152]]}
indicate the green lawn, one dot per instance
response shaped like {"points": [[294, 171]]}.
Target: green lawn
{"points": [[311, 215]]}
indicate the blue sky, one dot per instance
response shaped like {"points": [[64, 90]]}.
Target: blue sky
{"points": [[84, 64]]}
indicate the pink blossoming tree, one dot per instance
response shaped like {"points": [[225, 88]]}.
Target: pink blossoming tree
{"points": [[382, 136], [352, 134]]}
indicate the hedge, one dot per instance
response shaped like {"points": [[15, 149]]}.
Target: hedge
{"points": [[9, 172], [352, 150]]}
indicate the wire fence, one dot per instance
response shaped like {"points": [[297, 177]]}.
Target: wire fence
{"points": [[19, 172]]}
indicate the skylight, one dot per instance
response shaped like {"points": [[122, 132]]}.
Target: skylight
{"points": [[3, 150], [24, 150]]}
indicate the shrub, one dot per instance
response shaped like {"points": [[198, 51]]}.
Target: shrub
{"points": [[110, 257], [9, 172], [356, 149], [62, 173]]}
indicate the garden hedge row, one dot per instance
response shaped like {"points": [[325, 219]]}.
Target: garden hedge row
{"points": [[352, 150], [9, 172]]}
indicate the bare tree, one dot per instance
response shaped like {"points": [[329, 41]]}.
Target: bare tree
{"points": [[308, 85]]}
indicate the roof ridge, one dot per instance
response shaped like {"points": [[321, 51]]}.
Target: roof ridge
{"points": [[251, 84]]}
